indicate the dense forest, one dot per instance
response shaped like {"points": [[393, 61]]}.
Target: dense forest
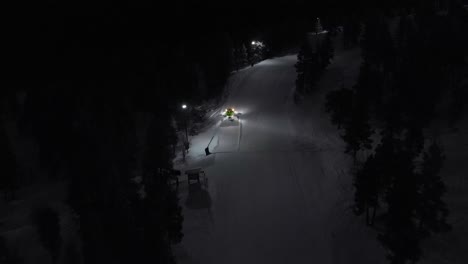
{"points": [[101, 83], [413, 74]]}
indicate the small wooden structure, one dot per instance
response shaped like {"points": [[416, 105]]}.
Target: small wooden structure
{"points": [[194, 175]]}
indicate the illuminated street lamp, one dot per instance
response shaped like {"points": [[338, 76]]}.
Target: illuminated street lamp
{"points": [[256, 52], [186, 144], [257, 43]]}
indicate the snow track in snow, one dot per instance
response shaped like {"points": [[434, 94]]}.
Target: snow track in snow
{"points": [[276, 195]]}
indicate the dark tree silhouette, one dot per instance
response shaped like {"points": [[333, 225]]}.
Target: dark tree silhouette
{"points": [[88, 124], [327, 50], [432, 211], [357, 130], [351, 31], [307, 71], [366, 194], [311, 64], [401, 236], [47, 224], [414, 139], [405, 77], [240, 57], [243, 55], [377, 44], [339, 104]]}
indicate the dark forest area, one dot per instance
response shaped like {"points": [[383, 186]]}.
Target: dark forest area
{"points": [[102, 83]]}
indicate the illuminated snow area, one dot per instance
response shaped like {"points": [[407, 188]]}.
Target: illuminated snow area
{"points": [[277, 189]]}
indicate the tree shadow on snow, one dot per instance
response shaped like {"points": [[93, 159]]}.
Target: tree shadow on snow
{"points": [[198, 197], [203, 162]]}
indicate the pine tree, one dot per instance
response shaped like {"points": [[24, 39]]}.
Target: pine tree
{"points": [[314, 71], [414, 139], [235, 56], [157, 163], [366, 194], [351, 31], [357, 130], [240, 57], [243, 61], [326, 51], [318, 26], [305, 71], [369, 86], [339, 104], [384, 157], [432, 211], [395, 74], [251, 55], [401, 236], [377, 44]]}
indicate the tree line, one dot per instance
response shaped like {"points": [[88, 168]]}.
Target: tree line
{"points": [[405, 76], [103, 83], [315, 54], [104, 86]]}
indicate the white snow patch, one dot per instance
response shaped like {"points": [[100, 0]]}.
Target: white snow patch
{"points": [[277, 189]]}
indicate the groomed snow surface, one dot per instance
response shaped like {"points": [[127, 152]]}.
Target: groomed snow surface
{"points": [[277, 189]]}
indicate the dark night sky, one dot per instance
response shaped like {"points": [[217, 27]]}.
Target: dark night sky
{"points": [[74, 30]]}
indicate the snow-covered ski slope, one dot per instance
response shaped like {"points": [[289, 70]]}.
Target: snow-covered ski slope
{"points": [[277, 189]]}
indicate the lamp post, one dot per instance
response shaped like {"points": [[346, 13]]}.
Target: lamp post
{"points": [[252, 53], [257, 51], [184, 108]]}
